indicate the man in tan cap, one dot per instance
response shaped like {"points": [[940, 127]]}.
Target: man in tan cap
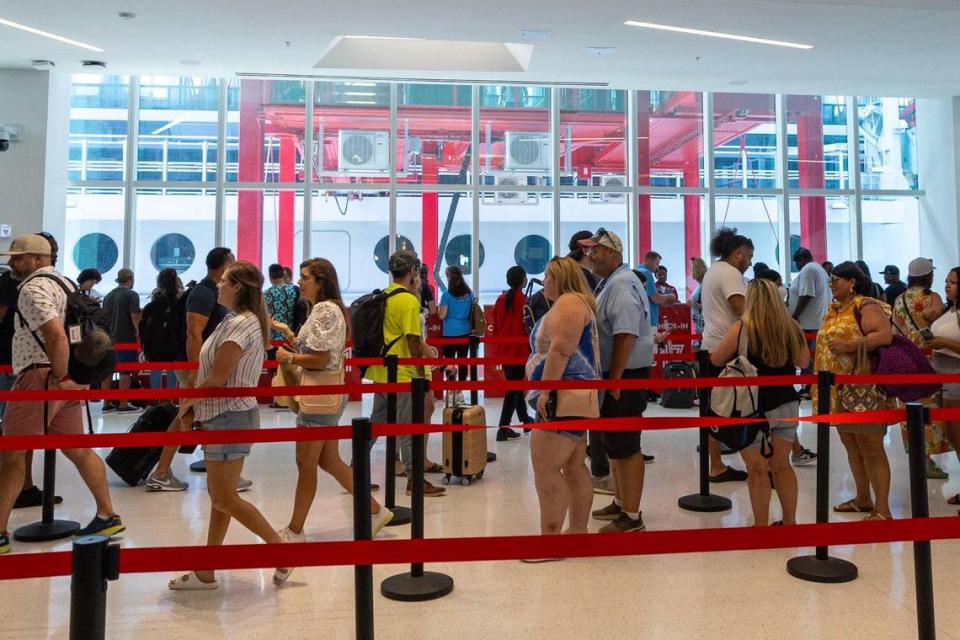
{"points": [[41, 353]]}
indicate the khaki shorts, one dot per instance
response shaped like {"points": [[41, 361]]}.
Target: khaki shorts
{"points": [[26, 418]]}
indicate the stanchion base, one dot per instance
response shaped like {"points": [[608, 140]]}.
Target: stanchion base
{"points": [[830, 570], [200, 466], [704, 504], [45, 531], [401, 516], [405, 588]]}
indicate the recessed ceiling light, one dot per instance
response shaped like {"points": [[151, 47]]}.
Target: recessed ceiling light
{"points": [[534, 34], [600, 51], [126, 15], [190, 63], [47, 34], [717, 34], [738, 83], [93, 63]]}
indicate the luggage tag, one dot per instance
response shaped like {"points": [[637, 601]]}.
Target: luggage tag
{"points": [[74, 335]]}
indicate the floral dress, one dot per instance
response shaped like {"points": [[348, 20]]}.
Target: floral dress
{"points": [[908, 319]]}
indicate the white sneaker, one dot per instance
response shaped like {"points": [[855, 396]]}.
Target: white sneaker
{"points": [[165, 482], [243, 484], [380, 520], [281, 575]]}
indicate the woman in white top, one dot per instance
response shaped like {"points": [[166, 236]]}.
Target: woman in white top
{"points": [[946, 356], [231, 357], [319, 347]]}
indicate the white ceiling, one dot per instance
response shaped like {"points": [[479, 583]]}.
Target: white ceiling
{"points": [[874, 47]]}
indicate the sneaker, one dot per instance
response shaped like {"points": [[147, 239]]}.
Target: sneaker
{"points": [[934, 472], [624, 524], [32, 497], [129, 409], [109, 526], [505, 433], [610, 512], [805, 457], [165, 482], [108, 408], [243, 484], [429, 491], [289, 536], [648, 459], [4, 543], [602, 485], [380, 520]]}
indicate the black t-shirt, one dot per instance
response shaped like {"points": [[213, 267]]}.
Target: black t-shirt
{"points": [[8, 299], [592, 281], [426, 296], [202, 299], [119, 304], [772, 397], [893, 291]]}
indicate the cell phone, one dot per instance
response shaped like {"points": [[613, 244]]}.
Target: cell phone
{"points": [[190, 448], [926, 334]]}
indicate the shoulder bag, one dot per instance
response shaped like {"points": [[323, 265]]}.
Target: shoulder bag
{"points": [[581, 403], [323, 404], [856, 398]]}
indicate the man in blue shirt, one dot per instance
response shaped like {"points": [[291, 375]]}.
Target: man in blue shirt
{"points": [[649, 269]]}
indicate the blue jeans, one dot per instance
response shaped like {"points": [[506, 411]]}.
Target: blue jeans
{"points": [[156, 378]]}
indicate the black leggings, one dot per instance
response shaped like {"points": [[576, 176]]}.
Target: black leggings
{"points": [[457, 351], [513, 400]]}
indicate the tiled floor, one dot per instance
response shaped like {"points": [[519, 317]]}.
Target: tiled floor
{"points": [[741, 595]]}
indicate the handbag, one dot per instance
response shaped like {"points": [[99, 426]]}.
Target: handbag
{"points": [[903, 357], [287, 375], [856, 398], [322, 404], [478, 321], [581, 403]]}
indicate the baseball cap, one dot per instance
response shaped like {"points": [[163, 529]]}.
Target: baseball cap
{"points": [[605, 238], [124, 274], [403, 261], [28, 243], [890, 269], [919, 267]]}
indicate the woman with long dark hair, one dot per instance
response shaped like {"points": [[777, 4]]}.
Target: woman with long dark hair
{"points": [[454, 311], [868, 286], [160, 306], [319, 346], [508, 323]]}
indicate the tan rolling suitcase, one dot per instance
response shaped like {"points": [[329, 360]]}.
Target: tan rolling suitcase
{"points": [[464, 452]]}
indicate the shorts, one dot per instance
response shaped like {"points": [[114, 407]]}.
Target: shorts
{"points": [[127, 356], [321, 420], [621, 445], [947, 365], [26, 418], [6, 383], [249, 419], [781, 429], [575, 434]]}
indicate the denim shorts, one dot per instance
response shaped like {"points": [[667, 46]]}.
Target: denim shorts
{"points": [[321, 420], [783, 430], [949, 365], [249, 419]]}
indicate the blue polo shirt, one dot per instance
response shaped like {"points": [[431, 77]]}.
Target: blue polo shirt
{"points": [[622, 308], [651, 289]]}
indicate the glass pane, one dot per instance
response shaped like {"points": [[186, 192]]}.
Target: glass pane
{"points": [[93, 236], [888, 142], [351, 230], [669, 138], [592, 145], [888, 223], [265, 125], [817, 148], [98, 127], [178, 129], [351, 133], [515, 146], [755, 217], [589, 212], [174, 228], [827, 242], [271, 223], [675, 239], [745, 141], [433, 133]]}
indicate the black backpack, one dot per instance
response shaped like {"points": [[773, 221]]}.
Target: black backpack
{"points": [[157, 327], [366, 325], [92, 356], [535, 308], [177, 324], [678, 398]]}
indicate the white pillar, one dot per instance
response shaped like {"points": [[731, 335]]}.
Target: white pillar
{"points": [[938, 163]]}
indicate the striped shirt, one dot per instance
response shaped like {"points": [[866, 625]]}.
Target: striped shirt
{"points": [[242, 329]]}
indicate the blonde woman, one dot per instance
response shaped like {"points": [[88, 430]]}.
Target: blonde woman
{"points": [[231, 357], [776, 347], [698, 269], [564, 345], [319, 346]]}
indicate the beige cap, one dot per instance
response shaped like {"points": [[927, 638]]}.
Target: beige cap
{"points": [[605, 238], [28, 243]]}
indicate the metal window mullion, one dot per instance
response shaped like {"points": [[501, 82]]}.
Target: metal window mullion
{"points": [[710, 219], [783, 183], [856, 208], [219, 215], [475, 186], [633, 211], [392, 220], [130, 193], [555, 168], [308, 174]]}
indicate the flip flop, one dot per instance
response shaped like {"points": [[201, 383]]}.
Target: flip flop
{"points": [[730, 475], [850, 507], [190, 582], [876, 516]]}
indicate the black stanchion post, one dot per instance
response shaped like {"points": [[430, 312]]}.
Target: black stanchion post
{"points": [[401, 515], [418, 585], [821, 567], [704, 502], [94, 562], [362, 527], [917, 418]]}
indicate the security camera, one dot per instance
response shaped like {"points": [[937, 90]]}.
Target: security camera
{"points": [[4, 139]]}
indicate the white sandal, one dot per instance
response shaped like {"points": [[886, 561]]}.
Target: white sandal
{"points": [[191, 582]]}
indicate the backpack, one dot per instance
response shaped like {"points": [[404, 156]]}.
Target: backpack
{"points": [[92, 356], [156, 328], [678, 398], [366, 325], [536, 307], [478, 320], [739, 402]]}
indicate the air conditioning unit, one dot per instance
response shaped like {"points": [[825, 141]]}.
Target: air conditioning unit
{"points": [[527, 151], [513, 197], [612, 182], [364, 151]]}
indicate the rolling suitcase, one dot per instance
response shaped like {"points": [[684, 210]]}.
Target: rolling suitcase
{"points": [[464, 452], [133, 464]]}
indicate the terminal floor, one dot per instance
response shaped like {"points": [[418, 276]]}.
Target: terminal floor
{"points": [[736, 595]]}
